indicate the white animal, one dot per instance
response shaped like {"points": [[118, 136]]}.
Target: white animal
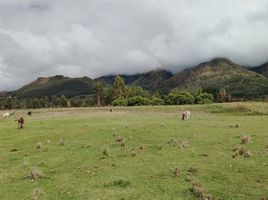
{"points": [[6, 115], [185, 115]]}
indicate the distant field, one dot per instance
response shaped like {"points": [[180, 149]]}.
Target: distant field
{"points": [[136, 153]]}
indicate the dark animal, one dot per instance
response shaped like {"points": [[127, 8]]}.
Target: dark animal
{"points": [[20, 122], [30, 113]]}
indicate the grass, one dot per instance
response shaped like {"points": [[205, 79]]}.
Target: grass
{"points": [[162, 156]]}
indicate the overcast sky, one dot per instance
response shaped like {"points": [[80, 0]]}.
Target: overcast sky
{"points": [[99, 37]]}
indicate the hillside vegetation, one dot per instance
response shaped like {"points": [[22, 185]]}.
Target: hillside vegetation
{"points": [[219, 73], [57, 85]]}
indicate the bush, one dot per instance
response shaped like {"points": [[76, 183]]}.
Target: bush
{"points": [[179, 98], [138, 101], [203, 98], [157, 101], [184, 98], [120, 102]]}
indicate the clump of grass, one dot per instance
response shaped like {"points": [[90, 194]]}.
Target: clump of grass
{"points": [[119, 183], [203, 154], [184, 144], [61, 143], [37, 194], [245, 139], [123, 144], [160, 147], [240, 151], [133, 153], [141, 147], [198, 191], [14, 149], [234, 126], [172, 142], [119, 139], [177, 172], [189, 178], [39, 145], [35, 174], [105, 153], [192, 170]]}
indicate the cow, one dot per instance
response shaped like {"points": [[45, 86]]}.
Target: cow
{"points": [[20, 122], [185, 115]]}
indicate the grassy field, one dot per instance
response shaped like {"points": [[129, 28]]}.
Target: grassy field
{"points": [[136, 153]]}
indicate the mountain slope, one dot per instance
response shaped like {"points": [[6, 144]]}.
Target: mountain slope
{"points": [[153, 80], [220, 73], [210, 76], [57, 85], [263, 69]]}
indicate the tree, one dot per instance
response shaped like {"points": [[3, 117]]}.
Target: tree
{"points": [[99, 92], [63, 101], [132, 91], [119, 87], [222, 95]]}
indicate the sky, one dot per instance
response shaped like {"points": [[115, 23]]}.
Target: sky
{"points": [[100, 37]]}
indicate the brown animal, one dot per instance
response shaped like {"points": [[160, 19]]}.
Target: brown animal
{"points": [[20, 122], [185, 115]]}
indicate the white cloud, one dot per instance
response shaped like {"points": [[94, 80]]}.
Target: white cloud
{"points": [[99, 37]]}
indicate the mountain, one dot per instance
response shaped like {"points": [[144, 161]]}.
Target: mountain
{"points": [[263, 69], [3, 93], [220, 73], [57, 85], [152, 81]]}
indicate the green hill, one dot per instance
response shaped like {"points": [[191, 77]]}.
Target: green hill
{"points": [[221, 73], [218, 73], [263, 69], [57, 85], [152, 81]]}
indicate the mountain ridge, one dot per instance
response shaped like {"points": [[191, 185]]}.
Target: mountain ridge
{"points": [[210, 76]]}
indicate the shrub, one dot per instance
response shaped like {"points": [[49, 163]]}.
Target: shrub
{"points": [[203, 98], [157, 101], [138, 101], [120, 102]]}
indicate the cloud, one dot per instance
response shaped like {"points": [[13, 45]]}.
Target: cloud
{"points": [[100, 37]]}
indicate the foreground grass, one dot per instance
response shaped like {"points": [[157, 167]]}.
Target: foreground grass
{"points": [[156, 142]]}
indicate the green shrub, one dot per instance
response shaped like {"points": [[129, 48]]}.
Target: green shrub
{"points": [[138, 101], [120, 102]]}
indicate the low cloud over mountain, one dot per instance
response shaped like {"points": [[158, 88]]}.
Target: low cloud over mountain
{"points": [[100, 37]]}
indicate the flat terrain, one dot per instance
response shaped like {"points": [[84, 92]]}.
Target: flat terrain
{"points": [[136, 153]]}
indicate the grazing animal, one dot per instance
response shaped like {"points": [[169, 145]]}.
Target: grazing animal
{"points": [[6, 115], [20, 122], [185, 115], [30, 113]]}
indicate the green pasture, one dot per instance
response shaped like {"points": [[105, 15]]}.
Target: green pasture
{"points": [[135, 153]]}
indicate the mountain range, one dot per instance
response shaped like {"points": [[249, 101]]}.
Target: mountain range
{"points": [[239, 81]]}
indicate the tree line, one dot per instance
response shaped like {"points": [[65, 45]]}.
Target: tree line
{"points": [[118, 95]]}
